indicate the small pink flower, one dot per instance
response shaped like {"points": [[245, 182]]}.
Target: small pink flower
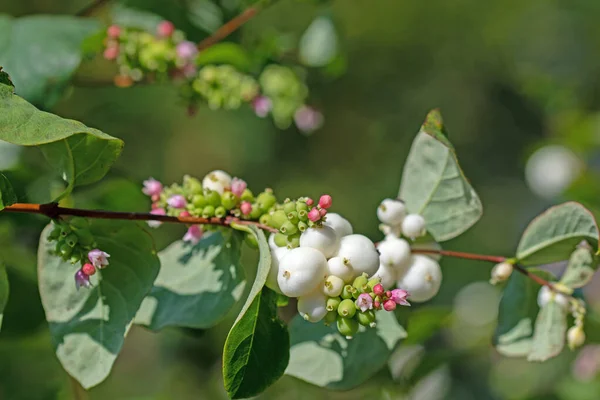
{"points": [[88, 269], [177, 201], [364, 302], [309, 201], [389, 305], [322, 212], [98, 258], [378, 289], [184, 214], [388, 293], [113, 31], [308, 119], [399, 297], [156, 211], [82, 280], [165, 29], [193, 234], [152, 187], [111, 52], [186, 50], [246, 208], [238, 186], [325, 201], [314, 215], [262, 105]]}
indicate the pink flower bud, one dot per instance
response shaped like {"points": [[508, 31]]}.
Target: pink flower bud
{"points": [[193, 234], [388, 294], [262, 106], [155, 198], [314, 215], [308, 119], [399, 297], [378, 289], [88, 269], [376, 304], [246, 208], [111, 52], [364, 302], [389, 305], [165, 29], [309, 202], [113, 31], [184, 214], [98, 258], [177, 201], [186, 50], [325, 201], [189, 70], [82, 280], [156, 211], [322, 212], [238, 186], [152, 187]]}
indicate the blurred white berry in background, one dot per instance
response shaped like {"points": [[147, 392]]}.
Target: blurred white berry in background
{"points": [[551, 169]]}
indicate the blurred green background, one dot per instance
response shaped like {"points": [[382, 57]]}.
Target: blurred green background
{"points": [[518, 83]]}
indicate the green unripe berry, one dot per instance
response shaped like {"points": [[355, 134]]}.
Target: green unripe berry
{"points": [[293, 241], [347, 308], [280, 239], [85, 237], [293, 217], [251, 241], [265, 219], [330, 317], [220, 212], [303, 215], [75, 258], [347, 326], [266, 200], [289, 207], [65, 230], [302, 226], [256, 212], [288, 228], [72, 239], [301, 206], [347, 292], [191, 184], [208, 211], [360, 283], [212, 198], [65, 251], [247, 195], [333, 303], [373, 282], [54, 234], [199, 201], [229, 200], [79, 223], [278, 218], [366, 318]]}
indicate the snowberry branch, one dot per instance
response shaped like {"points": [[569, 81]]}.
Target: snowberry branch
{"points": [[53, 210]]}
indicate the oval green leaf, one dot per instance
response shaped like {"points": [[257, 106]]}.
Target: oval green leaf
{"points": [[41, 52], [434, 186], [580, 270], [80, 155], [197, 285], [7, 194], [3, 290], [550, 329], [321, 356], [553, 235], [88, 326]]}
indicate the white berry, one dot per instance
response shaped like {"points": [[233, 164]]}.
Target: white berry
{"points": [[337, 267], [501, 272], [391, 212], [428, 246], [277, 255], [413, 226], [300, 271], [323, 239], [545, 295], [422, 280], [394, 253], [360, 253], [272, 243], [340, 225], [217, 181], [333, 286], [575, 337], [312, 306], [387, 275]]}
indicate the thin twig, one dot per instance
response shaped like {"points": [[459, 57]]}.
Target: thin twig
{"points": [[90, 8], [53, 210]]}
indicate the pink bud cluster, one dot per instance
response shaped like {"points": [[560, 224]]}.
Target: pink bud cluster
{"points": [[98, 259], [317, 213], [388, 300]]}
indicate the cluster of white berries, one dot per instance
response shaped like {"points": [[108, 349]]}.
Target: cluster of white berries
{"points": [[575, 334], [420, 275]]}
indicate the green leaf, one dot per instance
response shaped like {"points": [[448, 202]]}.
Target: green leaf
{"points": [[321, 356], [580, 269], [134, 18], [225, 53], [5, 79], [196, 286], [7, 194], [79, 154], [256, 351], [41, 52], [434, 186], [553, 235], [205, 15], [3, 290], [517, 311], [88, 326], [550, 329]]}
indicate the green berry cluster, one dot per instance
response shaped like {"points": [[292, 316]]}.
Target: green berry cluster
{"points": [[291, 219], [286, 91], [222, 86], [73, 238]]}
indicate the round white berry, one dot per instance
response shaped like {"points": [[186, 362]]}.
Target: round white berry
{"points": [[422, 280], [391, 212], [300, 271], [413, 226], [394, 253], [546, 295], [323, 239], [333, 286], [217, 181], [272, 243], [277, 255], [340, 225], [575, 337], [359, 252], [432, 245], [337, 267], [312, 306], [387, 275], [501, 272]]}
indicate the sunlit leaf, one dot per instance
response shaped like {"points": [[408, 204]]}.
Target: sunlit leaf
{"points": [[549, 332], [580, 269]]}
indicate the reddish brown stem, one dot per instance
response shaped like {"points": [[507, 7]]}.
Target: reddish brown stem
{"points": [[229, 27], [91, 8], [53, 210]]}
